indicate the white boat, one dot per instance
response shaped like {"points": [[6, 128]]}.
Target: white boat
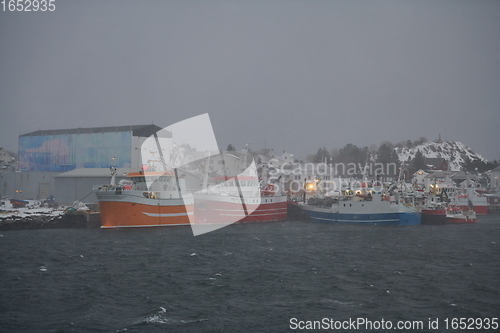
{"points": [[456, 214]]}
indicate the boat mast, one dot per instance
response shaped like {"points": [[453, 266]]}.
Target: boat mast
{"points": [[205, 176], [164, 164], [236, 182]]}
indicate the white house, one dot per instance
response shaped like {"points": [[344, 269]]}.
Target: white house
{"points": [[495, 179], [234, 162]]}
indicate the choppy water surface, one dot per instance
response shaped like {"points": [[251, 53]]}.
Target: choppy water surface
{"points": [[246, 278]]}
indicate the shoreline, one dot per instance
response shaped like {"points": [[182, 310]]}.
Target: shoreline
{"points": [[69, 220]]}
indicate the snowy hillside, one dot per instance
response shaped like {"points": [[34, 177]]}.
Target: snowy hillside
{"points": [[453, 152]]}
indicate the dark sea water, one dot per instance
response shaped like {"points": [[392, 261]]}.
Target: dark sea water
{"points": [[247, 277]]}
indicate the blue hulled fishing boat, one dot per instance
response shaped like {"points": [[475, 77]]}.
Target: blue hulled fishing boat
{"points": [[375, 208]]}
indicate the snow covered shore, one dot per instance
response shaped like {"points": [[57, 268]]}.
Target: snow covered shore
{"points": [[32, 209], [35, 216]]}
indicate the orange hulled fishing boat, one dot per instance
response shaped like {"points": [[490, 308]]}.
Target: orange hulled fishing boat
{"points": [[144, 199]]}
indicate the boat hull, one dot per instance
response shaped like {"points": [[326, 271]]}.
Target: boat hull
{"points": [[459, 220], [225, 210], [132, 209], [294, 212], [433, 216], [387, 218]]}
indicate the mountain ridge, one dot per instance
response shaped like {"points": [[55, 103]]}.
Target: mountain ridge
{"points": [[454, 152]]}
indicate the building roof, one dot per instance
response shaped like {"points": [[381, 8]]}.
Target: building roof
{"points": [[106, 173], [94, 172], [459, 175], [137, 130], [436, 162], [441, 173]]}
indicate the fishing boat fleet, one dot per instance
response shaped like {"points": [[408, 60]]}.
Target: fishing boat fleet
{"points": [[157, 198], [199, 189], [389, 204]]}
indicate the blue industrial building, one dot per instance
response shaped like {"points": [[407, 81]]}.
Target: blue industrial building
{"points": [[69, 149], [45, 155]]}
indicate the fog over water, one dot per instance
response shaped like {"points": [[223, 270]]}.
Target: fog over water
{"points": [[294, 75]]}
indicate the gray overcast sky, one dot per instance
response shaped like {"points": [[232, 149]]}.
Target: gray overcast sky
{"points": [[297, 74]]}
